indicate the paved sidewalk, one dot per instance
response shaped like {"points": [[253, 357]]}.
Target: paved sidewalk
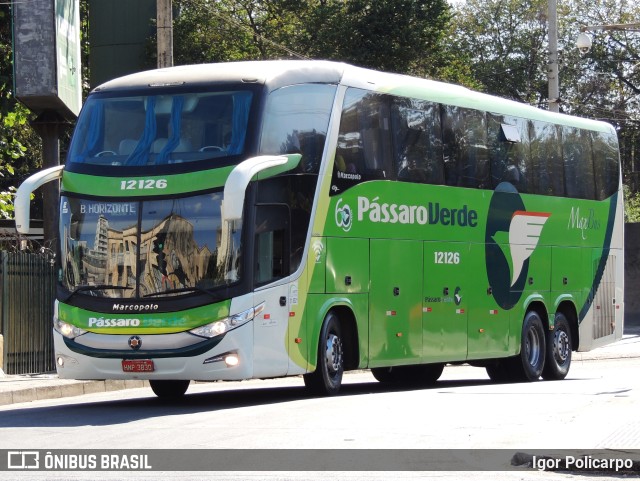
{"points": [[26, 388]]}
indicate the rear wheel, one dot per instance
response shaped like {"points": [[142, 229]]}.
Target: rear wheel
{"points": [[558, 354], [169, 389], [528, 365], [327, 378]]}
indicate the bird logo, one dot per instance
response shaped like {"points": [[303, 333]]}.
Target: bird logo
{"points": [[511, 237]]}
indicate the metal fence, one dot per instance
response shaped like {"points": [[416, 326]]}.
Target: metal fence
{"points": [[27, 283]]}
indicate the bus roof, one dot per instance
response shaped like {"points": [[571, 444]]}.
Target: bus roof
{"points": [[278, 73]]}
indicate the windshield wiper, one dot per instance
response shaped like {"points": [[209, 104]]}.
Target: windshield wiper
{"points": [[99, 287], [183, 289]]}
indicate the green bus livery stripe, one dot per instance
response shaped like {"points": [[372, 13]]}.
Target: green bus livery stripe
{"points": [[145, 185], [148, 323]]}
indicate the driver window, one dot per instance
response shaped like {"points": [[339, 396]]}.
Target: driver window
{"points": [[271, 243]]}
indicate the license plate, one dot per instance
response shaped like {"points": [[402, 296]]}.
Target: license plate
{"points": [[137, 365]]}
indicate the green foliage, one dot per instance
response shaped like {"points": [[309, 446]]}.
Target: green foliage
{"points": [[407, 36], [19, 145], [506, 43], [631, 206], [404, 36]]}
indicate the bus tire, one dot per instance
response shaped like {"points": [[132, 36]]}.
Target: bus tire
{"points": [[416, 375], [427, 374], [529, 364], [327, 378], [558, 356], [384, 374], [169, 389]]}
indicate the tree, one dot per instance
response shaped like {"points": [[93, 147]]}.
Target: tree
{"points": [[19, 145], [605, 82], [506, 41], [407, 36]]}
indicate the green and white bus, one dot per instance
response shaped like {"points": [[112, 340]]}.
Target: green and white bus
{"points": [[283, 218]]}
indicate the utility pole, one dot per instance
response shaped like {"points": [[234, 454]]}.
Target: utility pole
{"points": [[552, 71], [164, 25]]}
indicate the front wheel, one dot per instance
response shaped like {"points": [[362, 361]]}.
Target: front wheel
{"points": [[558, 355], [169, 389], [327, 378]]}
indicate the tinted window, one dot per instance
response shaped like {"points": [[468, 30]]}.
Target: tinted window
{"points": [[417, 141], [578, 163], [364, 149], [152, 130], [466, 154], [546, 159], [509, 149], [296, 121], [605, 156], [271, 243]]}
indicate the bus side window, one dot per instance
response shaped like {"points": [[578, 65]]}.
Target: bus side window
{"points": [[272, 243], [578, 163], [465, 147], [296, 121], [417, 141], [373, 117], [508, 140], [605, 159], [546, 159]]}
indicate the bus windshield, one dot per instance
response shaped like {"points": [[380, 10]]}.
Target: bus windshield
{"points": [[142, 130], [147, 248]]}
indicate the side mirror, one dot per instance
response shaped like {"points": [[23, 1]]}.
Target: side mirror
{"points": [[261, 167], [22, 207]]}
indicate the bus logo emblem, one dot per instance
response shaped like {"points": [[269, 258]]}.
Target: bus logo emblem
{"points": [[344, 217], [512, 234], [524, 234], [135, 342]]}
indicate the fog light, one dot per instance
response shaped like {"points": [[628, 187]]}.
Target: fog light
{"points": [[62, 360], [231, 360]]}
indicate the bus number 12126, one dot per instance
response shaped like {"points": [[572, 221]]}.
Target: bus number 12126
{"points": [[446, 257]]}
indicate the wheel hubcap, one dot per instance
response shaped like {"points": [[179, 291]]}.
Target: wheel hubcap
{"points": [[561, 347], [532, 347], [334, 353]]}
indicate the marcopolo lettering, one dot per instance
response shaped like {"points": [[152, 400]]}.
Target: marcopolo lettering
{"points": [[103, 322], [135, 307], [349, 176], [432, 213]]}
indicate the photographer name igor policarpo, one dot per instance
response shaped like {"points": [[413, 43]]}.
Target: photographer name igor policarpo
{"points": [[582, 463]]}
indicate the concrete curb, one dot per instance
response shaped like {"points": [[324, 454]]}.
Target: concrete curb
{"points": [[55, 388]]}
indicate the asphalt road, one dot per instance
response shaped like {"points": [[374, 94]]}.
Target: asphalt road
{"points": [[594, 408]]}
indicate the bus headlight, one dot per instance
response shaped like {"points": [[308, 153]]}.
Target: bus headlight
{"points": [[67, 330], [224, 325]]}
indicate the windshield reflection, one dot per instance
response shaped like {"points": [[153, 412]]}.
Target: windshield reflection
{"points": [[147, 248]]}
